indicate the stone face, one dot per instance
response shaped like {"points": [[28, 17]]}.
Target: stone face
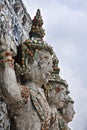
{"points": [[68, 110], [33, 96]]}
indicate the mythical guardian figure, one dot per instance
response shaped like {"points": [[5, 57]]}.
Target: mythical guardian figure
{"points": [[36, 97]]}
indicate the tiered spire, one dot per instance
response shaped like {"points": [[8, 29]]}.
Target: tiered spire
{"points": [[37, 31]]}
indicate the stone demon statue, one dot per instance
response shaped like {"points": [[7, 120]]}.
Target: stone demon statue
{"points": [[36, 97]]}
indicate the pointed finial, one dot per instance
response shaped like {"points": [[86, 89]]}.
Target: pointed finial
{"points": [[37, 31]]}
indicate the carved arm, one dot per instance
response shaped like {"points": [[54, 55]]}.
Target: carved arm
{"points": [[8, 83]]}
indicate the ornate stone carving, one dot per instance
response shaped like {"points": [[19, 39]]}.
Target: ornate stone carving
{"points": [[36, 96], [37, 30], [4, 120], [13, 29]]}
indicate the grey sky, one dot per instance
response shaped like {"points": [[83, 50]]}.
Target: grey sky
{"points": [[66, 30]]}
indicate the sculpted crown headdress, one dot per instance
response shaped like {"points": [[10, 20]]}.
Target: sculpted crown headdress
{"points": [[35, 43], [36, 34], [37, 31]]}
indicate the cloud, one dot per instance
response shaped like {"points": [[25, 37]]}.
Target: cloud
{"points": [[67, 23], [75, 4]]}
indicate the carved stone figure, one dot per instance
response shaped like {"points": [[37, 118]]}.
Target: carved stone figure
{"points": [[61, 104], [32, 94], [27, 104], [35, 79], [67, 113], [68, 110]]}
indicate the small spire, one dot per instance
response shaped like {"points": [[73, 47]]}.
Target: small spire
{"points": [[37, 31]]}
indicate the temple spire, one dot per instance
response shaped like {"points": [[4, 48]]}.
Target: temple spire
{"points": [[37, 31]]}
